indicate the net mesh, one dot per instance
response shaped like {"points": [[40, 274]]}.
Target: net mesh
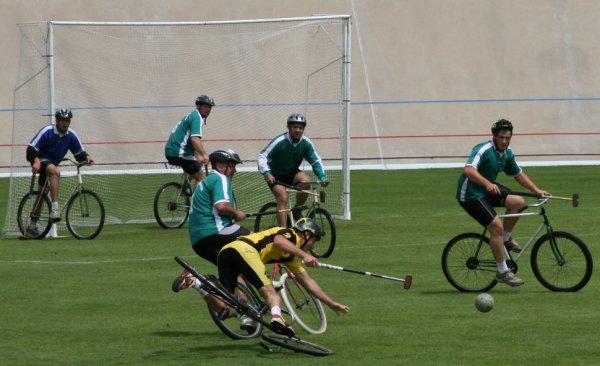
{"points": [[129, 84]]}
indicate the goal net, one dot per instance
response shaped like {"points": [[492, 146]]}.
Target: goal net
{"points": [[128, 84]]}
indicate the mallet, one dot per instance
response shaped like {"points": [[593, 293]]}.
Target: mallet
{"points": [[407, 279]]}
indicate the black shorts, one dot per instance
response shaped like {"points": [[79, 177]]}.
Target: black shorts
{"points": [[482, 209], [42, 178], [209, 247], [287, 178], [231, 265], [189, 166]]}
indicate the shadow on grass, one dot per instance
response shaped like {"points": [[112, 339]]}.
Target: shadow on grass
{"points": [[226, 348], [176, 333]]}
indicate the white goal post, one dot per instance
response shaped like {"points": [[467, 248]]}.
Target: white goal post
{"points": [[129, 83]]}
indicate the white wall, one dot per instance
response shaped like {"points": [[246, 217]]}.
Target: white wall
{"points": [[428, 77]]}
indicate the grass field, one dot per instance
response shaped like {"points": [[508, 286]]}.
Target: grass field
{"points": [[108, 301]]}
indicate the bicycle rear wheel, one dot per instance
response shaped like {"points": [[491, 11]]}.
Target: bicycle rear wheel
{"points": [[171, 206], [468, 263], [304, 308], [85, 214], [566, 265], [296, 344], [324, 247], [264, 222], [230, 325], [27, 213]]}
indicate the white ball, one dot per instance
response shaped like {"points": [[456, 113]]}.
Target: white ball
{"points": [[484, 302]]}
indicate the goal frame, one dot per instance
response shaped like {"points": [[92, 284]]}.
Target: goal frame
{"points": [[345, 99], [346, 74]]}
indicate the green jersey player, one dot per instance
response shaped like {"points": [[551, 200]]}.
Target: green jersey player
{"points": [[184, 147], [478, 194]]}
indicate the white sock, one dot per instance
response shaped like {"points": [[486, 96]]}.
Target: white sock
{"points": [[55, 205], [502, 267], [276, 310], [506, 235]]}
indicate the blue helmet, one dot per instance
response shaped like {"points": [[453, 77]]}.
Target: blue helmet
{"points": [[306, 224]]}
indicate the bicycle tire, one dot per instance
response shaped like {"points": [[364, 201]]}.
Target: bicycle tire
{"points": [[468, 265], [569, 273], [25, 211], [230, 326], [324, 247], [296, 344], [171, 206], [303, 306], [264, 222], [85, 215]]}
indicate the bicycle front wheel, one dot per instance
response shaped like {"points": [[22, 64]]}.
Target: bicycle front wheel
{"points": [[230, 325], [34, 209], [468, 263], [296, 344], [171, 206], [304, 308], [85, 214], [264, 222], [324, 247], [561, 262]]}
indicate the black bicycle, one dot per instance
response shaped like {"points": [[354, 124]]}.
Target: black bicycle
{"points": [[85, 211], [172, 203], [251, 306], [560, 260], [267, 217]]}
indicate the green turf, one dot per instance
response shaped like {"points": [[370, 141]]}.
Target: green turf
{"points": [[108, 301]]}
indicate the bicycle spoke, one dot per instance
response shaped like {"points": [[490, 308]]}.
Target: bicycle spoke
{"points": [[468, 263], [563, 263], [85, 215]]}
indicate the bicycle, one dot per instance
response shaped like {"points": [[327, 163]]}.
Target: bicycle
{"points": [[323, 248], [84, 216], [254, 308], [172, 203], [301, 306], [560, 260]]}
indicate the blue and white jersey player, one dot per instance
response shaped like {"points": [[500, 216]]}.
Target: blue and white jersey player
{"points": [[47, 149]]}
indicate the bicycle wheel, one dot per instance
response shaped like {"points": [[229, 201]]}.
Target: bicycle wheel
{"points": [[264, 222], [565, 265], [230, 325], [304, 308], [296, 344], [468, 263], [27, 213], [171, 206], [324, 247], [85, 214]]}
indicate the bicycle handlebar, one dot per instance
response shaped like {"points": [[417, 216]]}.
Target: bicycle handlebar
{"points": [[77, 163]]}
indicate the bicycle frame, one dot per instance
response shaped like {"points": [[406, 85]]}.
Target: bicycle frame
{"points": [[544, 224]]}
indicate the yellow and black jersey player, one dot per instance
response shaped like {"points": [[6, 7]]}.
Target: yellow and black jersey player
{"points": [[248, 255]]}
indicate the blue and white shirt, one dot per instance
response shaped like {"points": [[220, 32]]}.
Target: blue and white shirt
{"points": [[53, 146]]}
